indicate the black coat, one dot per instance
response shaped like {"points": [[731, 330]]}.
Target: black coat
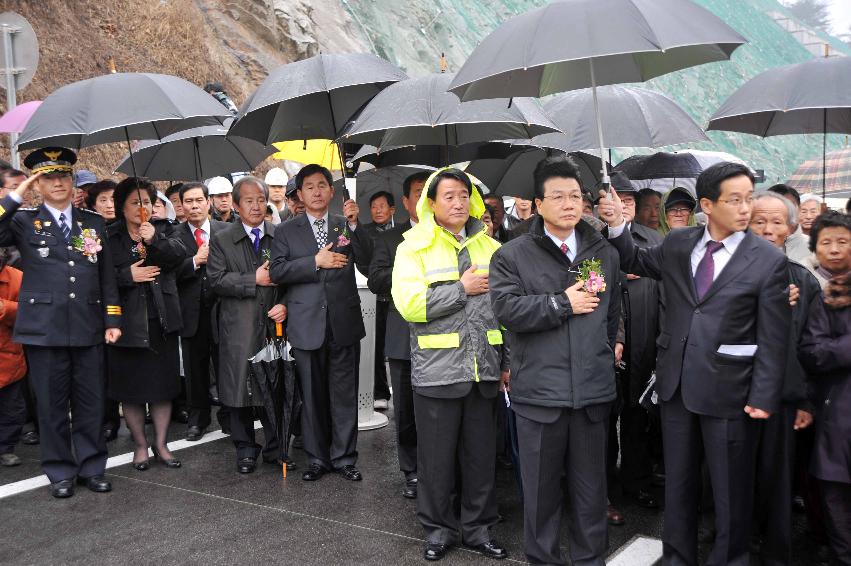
{"points": [[138, 298], [65, 299], [397, 340], [193, 285], [795, 384], [747, 304], [641, 313], [316, 296], [558, 359]]}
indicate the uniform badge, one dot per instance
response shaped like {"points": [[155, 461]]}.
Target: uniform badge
{"points": [[37, 225], [43, 252], [47, 223]]}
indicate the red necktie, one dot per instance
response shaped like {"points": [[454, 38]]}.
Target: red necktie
{"points": [[199, 237]]}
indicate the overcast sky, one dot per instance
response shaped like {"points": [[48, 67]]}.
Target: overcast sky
{"points": [[840, 15]]}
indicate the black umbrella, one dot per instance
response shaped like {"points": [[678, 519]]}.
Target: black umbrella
{"points": [[431, 155], [313, 98], [663, 170], [120, 107], [388, 179], [196, 154], [813, 97], [512, 176], [574, 44], [275, 376], [421, 112]]}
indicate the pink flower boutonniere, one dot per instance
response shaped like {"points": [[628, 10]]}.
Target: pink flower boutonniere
{"points": [[88, 244], [343, 239], [591, 273]]}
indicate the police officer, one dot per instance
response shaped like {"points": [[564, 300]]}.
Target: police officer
{"points": [[68, 307]]}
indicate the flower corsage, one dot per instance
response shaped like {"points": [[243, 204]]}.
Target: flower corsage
{"points": [[591, 273], [88, 244]]}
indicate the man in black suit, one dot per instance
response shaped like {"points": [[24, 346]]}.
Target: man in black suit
{"points": [[721, 356], [397, 340], [67, 308], [196, 304], [312, 255]]}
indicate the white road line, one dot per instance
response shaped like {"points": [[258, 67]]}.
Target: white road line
{"points": [[29, 484], [640, 551]]}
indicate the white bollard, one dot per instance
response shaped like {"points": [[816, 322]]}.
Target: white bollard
{"points": [[368, 417]]}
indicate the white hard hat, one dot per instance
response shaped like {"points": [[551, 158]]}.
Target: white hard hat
{"points": [[219, 186], [276, 177]]}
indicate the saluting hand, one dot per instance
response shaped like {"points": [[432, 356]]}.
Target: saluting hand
{"points": [[474, 284], [143, 274], [326, 259], [22, 189], [147, 232], [581, 302]]}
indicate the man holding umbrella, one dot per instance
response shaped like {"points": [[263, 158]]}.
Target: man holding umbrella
{"points": [[250, 305], [68, 307]]}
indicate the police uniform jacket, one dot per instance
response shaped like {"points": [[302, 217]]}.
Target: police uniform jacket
{"points": [[67, 298], [143, 301]]}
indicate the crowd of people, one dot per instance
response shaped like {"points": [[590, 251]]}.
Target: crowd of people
{"points": [[597, 342]]}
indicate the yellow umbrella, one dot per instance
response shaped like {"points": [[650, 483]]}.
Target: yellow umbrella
{"points": [[323, 152]]}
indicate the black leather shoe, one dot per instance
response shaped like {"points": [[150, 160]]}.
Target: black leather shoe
{"points": [[492, 549], [142, 466], [410, 491], [109, 433], [350, 473], [246, 465], [181, 416], [62, 489], [313, 473], [645, 499], [274, 461], [435, 551], [30, 438], [167, 462], [98, 484], [194, 433]]}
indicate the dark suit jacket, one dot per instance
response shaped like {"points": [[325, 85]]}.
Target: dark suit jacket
{"points": [[747, 304], [314, 296], [397, 340], [192, 284], [65, 299]]}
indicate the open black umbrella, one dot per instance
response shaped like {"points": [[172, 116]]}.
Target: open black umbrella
{"points": [[813, 97], [573, 44], [388, 179], [194, 155], [421, 112], [120, 107], [431, 155], [313, 98], [662, 171]]}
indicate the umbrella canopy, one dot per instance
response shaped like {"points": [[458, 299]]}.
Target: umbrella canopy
{"points": [[663, 171], [195, 155], [630, 117], [573, 44], [809, 176], [322, 152], [813, 97], [120, 107], [431, 155], [14, 120], [512, 176], [421, 112], [389, 179], [313, 98]]}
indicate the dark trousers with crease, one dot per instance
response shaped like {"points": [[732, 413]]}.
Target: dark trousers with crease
{"points": [[836, 498], [456, 434], [730, 453], [242, 434], [198, 352], [329, 387], [403, 415], [72, 378], [572, 447], [773, 498], [380, 390], [13, 415]]}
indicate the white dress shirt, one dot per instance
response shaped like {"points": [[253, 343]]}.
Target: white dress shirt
{"points": [[571, 241], [248, 230], [53, 211]]}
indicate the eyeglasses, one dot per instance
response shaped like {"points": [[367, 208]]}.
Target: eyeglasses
{"points": [[679, 211], [560, 198], [736, 202]]}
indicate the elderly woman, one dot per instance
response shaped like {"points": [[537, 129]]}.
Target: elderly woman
{"points": [[830, 242], [676, 210], [825, 351], [143, 364], [99, 198]]}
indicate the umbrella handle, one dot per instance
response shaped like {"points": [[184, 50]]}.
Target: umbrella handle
{"points": [[143, 214], [284, 469], [279, 331]]}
